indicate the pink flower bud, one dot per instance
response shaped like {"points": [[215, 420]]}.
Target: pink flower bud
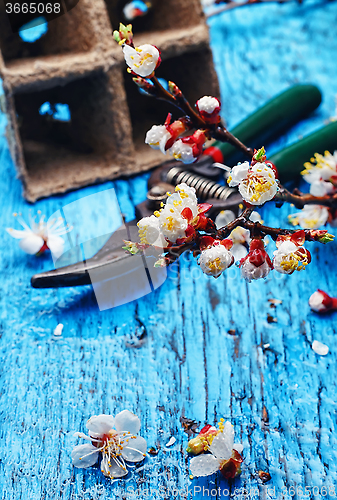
{"points": [[321, 302], [208, 108], [257, 263]]}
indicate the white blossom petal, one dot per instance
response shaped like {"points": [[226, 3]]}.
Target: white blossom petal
{"points": [[204, 465], [321, 188], [135, 449], [239, 251], [251, 272], [316, 302], [228, 433], [224, 218], [100, 424], [141, 60], [84, 455], [18, 233], [114, 468], [238, 173], [208, 104], [31, 243], [238, 447], [319, 348], [127, 421], [222, 446], [182, 152], [56, 245]]}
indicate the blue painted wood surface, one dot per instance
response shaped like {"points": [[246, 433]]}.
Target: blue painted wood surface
{"points": [[282, 401]]}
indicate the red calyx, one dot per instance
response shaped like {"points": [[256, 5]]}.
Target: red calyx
{"points": [[204, 207], [226, 243], [257, 254], [43, 248], [187, 214], [273, 167], [205, 429], [206, 242], [232, 467], [327, 300], [298, 237]]}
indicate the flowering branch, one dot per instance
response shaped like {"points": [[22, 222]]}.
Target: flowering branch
{"points": [[300, 200], [182, 223]]}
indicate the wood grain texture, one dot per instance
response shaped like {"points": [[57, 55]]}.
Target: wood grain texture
{"points": [[282, 400]]}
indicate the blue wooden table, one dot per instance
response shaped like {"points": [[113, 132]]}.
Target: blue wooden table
{"points": [[201, 351]]}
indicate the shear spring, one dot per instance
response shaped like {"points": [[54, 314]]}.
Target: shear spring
{"points": [[205, 188]]}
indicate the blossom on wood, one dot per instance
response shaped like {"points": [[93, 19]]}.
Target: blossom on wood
{"points": [[39, 236], [224, 454], [321, 302], [115, 438]]}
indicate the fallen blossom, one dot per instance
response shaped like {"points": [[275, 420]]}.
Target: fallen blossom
{"points": [[202, 441], [171, 442], [115, 438], [58, 330], [321, 302], [224, 454], [39, 236], [320, 348]]}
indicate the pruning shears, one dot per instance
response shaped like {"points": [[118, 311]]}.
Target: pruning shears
{"points": [[112, 262]]}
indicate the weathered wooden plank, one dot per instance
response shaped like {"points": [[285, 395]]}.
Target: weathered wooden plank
{"points": [[281, 400]]}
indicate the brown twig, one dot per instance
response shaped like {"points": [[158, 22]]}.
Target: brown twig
{"points": [[300, 200], [180, 102], [223, 135]]}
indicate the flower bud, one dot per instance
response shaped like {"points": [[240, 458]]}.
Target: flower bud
{"points": [[321, 302]]}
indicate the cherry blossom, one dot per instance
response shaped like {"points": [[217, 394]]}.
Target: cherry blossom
{"points": [[216, 258], [163, 136], [257, 263], [311, 217], [209, 108], [321, 302], [115, 438], [257, 183], [142, 60], [224, 454], [188, 149], [39, 236], [290, 255]]}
